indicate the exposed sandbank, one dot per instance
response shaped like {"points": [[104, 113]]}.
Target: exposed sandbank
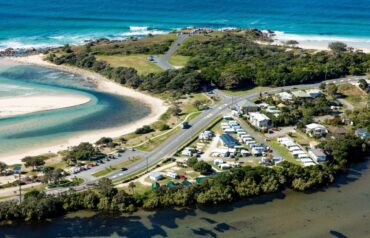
{"points": [[18, 105], [156, 105]]}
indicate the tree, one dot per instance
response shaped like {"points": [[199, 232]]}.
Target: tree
{"points": [[292, 42], [105, 188], [175, 109], [203, 167], [144, 130], [346, 149], [67, 49], [338, 46], [83, 151], [3, 166], [164, 127], [123, 140], [363, 84], [192, 161], [53, 176], [331, 89], [123, 202], [104, 141], [33, 161], [197, 104], [322, 86], [132, 186]]}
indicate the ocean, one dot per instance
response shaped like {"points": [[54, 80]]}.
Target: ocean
{"points": [[40, 23]]}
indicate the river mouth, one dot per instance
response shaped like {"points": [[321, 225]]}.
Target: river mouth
{"points": [[39, 129]]}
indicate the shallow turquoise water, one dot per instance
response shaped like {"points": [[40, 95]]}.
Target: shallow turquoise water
{"points": [[38, 23], [29, 131]]}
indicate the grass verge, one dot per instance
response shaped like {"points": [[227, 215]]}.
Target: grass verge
{"points": [[137, 61]]}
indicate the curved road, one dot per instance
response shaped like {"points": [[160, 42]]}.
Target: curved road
{"points": [[163, 62], [169, 147]]}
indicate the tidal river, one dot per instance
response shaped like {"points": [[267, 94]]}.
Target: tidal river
{"points": [[343, 210], [22, 133]]}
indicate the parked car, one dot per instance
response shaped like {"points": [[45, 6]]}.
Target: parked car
{"points": [[124, 169]]}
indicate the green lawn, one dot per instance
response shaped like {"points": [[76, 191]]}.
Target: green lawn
{"points": [[283, 152], [178, 60], [139, 188], [354, 95], [138, 62], [187, 107], [301, 138], [245, 91], [152, 144]]}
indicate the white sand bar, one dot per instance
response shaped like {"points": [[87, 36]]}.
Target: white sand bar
{"points": [[18, 105]]}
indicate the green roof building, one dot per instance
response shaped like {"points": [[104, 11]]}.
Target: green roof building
{"points": [[186, 183], [171, 184], [155, 185]]}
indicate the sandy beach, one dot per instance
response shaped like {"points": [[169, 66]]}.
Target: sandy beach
{"points": [[18, 105], [317, 42], [156, 105]]}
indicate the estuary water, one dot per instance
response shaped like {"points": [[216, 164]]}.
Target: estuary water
{"points": [[41, 129], [343, 210]]}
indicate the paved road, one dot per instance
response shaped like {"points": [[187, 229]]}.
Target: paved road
{"points": [[163, 62], [87, 175], [347, 104], [171, 145]]}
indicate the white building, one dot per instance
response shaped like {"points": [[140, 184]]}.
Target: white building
{"points": [[218, 161], [188, 151], [224, 166], [155, 176], [301, 94], [315, 129], [285, 96], [272, 109], [314, 93], [294, 148], [259, 120], [257, 151], [244, 153], [172, 174], [296, 153], [206, 135], [317, 155], [220, 152]]}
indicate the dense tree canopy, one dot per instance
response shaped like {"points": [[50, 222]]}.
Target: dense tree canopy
{"points": [[83, 151], [233, 61]]}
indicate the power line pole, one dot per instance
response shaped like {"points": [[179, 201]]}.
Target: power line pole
{"points": [[20, 187], [147, 164]]}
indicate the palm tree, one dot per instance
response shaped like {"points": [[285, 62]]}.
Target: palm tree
{"points": [[132, 186]]}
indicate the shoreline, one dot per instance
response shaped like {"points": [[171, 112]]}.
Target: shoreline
{"points": [[156, 105], [306, 41], [321, 42]]}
